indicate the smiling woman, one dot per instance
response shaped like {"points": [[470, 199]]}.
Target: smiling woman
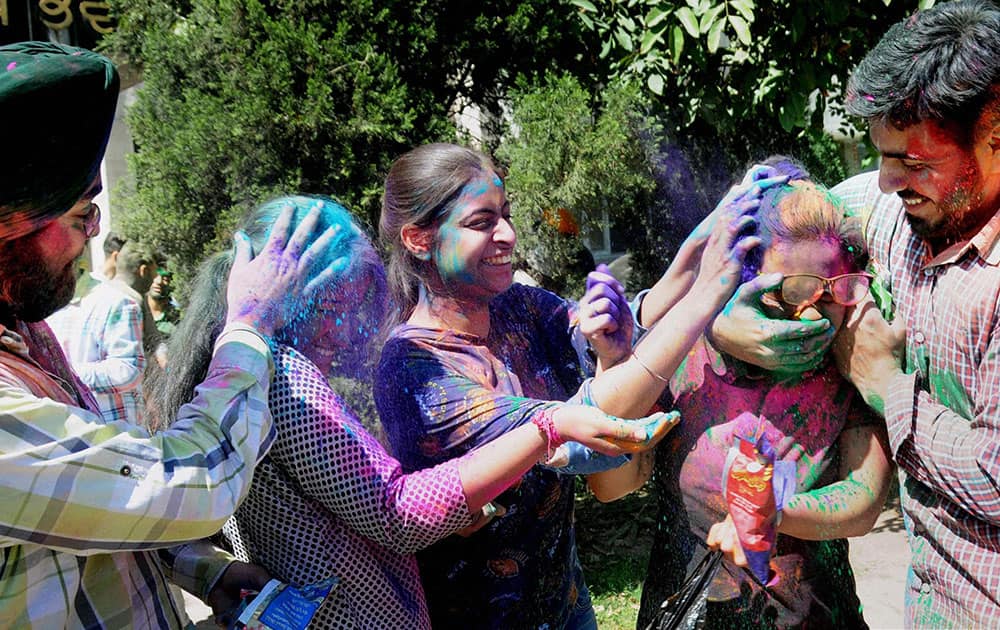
{"points": [[476, 358]]}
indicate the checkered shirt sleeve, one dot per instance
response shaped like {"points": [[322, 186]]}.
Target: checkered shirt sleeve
{"points": [[82, 498]]}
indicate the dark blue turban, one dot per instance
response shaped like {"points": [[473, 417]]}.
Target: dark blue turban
{"points": [[57, 105]]}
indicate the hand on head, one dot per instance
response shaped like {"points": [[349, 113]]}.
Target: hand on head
{"points": [[743, 198], [722, 259], [605, 317], [268, 290], [731, 234]]}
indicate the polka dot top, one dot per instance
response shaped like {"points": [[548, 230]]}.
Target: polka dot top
{"points": [[328, 500]]}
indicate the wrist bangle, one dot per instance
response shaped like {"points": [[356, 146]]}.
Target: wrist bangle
{"points": [[647, 368], [543, 420]]}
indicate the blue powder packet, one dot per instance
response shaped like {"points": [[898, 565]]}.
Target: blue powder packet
{"points": [[280, 606]]}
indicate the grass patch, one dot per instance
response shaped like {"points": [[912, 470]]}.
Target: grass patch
{"points": [[614, 541]]}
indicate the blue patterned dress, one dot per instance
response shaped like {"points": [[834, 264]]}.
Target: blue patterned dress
{"points": [[442, 393]]}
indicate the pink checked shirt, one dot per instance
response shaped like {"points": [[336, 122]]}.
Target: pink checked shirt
{"points": [[943, 416]]}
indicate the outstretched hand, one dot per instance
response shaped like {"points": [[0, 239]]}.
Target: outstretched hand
{"points": [[605, 317], [743, 330], [612, 435], [267, 290]]}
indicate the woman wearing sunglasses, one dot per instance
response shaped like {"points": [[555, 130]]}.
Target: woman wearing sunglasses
{"points": [[815, 419]]}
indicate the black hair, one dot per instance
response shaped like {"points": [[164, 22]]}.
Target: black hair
{"points": [[940, 64], [113, 242]]}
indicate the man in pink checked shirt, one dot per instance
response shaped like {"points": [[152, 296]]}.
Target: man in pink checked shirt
{"points": [[930, 92]]}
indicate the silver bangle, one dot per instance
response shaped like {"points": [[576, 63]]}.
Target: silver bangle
{"points": [[647, 368]]}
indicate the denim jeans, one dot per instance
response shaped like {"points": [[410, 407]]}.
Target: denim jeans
{"points": [[582, 616]]}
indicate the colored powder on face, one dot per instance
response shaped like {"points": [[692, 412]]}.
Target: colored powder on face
{"points": [[475, 189], [451, 264], [497, 181]]}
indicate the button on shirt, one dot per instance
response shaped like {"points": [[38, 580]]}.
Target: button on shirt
{"points": [[86, 501], [943, 415]]}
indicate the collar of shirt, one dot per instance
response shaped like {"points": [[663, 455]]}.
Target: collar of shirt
{"points": [[986, 243], [126, 289]]}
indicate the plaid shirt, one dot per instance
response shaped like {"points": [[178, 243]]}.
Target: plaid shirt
{"points": [[102, 337], [84, 501], [943, 416]]}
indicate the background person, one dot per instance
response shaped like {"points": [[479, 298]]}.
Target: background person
{"points": [[105, 336], [159, 298], [162, 309], [112, 245]]}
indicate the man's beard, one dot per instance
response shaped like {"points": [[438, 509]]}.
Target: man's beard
{"points": [[960, 210], [28, 290]]}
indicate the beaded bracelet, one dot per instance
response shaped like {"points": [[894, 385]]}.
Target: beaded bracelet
{"points": [[543, 420], [647, 368]]}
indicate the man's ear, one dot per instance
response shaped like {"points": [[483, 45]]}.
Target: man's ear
{"points": [[417, 241], [994, 139], [991, 118]]}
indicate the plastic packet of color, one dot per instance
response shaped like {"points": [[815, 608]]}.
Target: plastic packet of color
{"points": [[280, 606], [754, 491]]}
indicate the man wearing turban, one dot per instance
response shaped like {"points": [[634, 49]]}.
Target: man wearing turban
{"points": [[84, 503]]}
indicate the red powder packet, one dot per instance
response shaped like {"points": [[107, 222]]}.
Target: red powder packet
{"points": [[748, 485]]}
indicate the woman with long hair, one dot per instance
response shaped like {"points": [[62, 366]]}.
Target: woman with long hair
{"points": [[328, 500], [474, 357]]}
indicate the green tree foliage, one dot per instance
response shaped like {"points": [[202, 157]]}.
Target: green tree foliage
{"points": [[565, 151], [245, 98], [731, 62]]}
